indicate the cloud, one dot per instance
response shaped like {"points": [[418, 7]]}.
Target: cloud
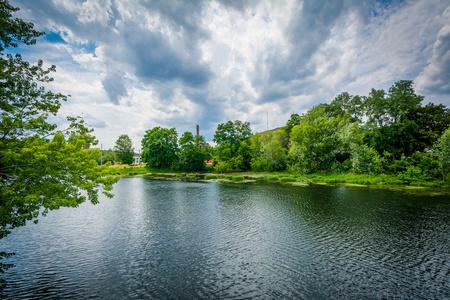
{"points": [[114, 86], [435, 77], [131, 65]]}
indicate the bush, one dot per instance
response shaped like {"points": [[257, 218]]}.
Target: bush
{"points": [[192, 175], [272, 178], [287, 179], [208, 177], [365, 160], [223, 167], [229, 177], [238, 178]]}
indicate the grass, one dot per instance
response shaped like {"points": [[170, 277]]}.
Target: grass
{"points": [[238, 178], [287, 179], [272, 178]]}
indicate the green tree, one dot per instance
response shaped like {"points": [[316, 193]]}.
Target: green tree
{"points": [[232, 133], [232, 150], [294, 120], [41, 168], [318, 141], [160, 148], [192, 152], [365, 160], [106, 157], [346, 103], [389, 127], [269, 151], [124, 149], [443, 146], [432, 120]]}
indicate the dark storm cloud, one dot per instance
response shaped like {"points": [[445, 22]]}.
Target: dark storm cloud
{"points": [[148, 54], [155, 59], [114, 86]]}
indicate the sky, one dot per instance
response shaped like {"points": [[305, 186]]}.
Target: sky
{"points": [[131, 65]]}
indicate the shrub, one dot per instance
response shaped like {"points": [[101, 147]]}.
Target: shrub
{"points": [[223, 167], [208, 177], [287, 179], [238, 178], [272, 178], [365, 160], [192, 175], [229, 177]]}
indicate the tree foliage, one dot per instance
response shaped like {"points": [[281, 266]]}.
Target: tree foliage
{"points": [[318, 141], [443, 146], [192, 152], [233, 152], [160, 148], [269, 151], [229, 135], [124, 149], [107, 156], [41, 168], [389, 127]]}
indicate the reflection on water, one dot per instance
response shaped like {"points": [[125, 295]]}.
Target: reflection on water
{"points": [[178, 240]]}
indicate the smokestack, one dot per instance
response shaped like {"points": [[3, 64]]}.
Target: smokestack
{"points": [[198, 134]]}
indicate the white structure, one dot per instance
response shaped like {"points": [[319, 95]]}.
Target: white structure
{"points": [[137, 159]]}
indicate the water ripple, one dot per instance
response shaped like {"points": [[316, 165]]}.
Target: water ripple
{"points": [[160, 240]]}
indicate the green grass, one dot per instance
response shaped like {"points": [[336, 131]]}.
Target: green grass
{"points": [[272, 178], [238, 178], [208, 177], [287, 179]]}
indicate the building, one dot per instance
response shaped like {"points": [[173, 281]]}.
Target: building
{"points": [[137, 159], [271, 130]]}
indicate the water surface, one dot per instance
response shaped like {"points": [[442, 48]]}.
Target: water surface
{"points": [[180, 240]]}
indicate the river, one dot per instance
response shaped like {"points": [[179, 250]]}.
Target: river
{"points": [[185, 240]]}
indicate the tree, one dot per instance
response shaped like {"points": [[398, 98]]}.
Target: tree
{"points": [[389, 127], [192, 152], [124, 149], [232, 133], [269, 151], [229, 136], [318, 141], [107, 156], [346, 103], [41, 168], [443, 146], [160, 148], [294, 120], [432, 120], [365, 160]]}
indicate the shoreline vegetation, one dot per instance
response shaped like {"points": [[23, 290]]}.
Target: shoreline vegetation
{"points": [[383, 139], [382, 181]]}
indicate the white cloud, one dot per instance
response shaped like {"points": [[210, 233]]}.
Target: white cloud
{"points": [[179, 64]]}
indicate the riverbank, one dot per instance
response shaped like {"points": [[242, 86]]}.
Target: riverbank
{"points": [[350, 179]]}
